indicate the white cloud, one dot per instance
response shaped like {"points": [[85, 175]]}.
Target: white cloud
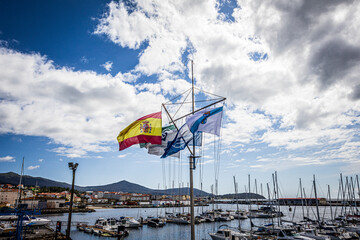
{"points": [[303, 94], [240, 160], [7, 159], [107, 65], [206, 162], [76, 107], [122, 155], [33, 167], [41, 160]]}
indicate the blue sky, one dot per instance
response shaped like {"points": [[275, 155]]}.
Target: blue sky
{"points": [[74, 74]]}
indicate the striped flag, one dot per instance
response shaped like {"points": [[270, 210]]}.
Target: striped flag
{"points": [[144, 130]]}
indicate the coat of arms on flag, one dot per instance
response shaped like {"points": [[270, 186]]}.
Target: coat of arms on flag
{"points": [[145, 127]]}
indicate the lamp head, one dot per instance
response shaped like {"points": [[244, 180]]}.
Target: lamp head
{"points": [[71, 164]]}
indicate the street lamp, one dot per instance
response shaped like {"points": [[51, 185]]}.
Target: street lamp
{"points": [[72, 167]]}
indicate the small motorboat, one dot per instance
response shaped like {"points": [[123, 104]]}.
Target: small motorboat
{"points": [[34, 221], [129, 222], [155, 222]]}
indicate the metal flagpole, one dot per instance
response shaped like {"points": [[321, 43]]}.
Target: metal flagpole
{"points": [[192, 162], [192, 152]]}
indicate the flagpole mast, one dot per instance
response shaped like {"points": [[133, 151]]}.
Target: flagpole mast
{"points": [[192, 161]]}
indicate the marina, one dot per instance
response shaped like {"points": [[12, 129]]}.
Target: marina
{"points": [[134, 118], [182, 231]]}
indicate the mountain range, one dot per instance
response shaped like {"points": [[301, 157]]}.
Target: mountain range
{"points": [[121, 186]]}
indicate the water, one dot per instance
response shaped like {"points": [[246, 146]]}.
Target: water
{"points": [[174, 231]]}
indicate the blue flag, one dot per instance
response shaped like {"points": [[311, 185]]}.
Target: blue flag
{"points": [[208, 121], [181, 140]]}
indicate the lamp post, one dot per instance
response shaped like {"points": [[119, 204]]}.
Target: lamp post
{"points": [[72, 167]]}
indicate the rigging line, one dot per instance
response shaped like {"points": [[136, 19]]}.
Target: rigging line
{"points": [[215, 163], [174, 172], [208, 92], [336, 207], [323, 216], [178, 96], [181, 105], [297, 195], [201, 109], [202, 155], [321, 191], [306, 203], [311, 192], [219, 149], [163, 172], [169, 175]]}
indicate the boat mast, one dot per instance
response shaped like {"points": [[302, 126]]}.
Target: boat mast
{"points": [[268, 189], [343, 208], [353, 194], [278, 198], [331, 212], [316, 200], [358, 187], [20, 183], [249, 193], [237, 202], [302, 199], [192, 160]]}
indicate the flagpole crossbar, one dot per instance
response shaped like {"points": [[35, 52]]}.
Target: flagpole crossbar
{"points": [[206, 100], [192, 161]]}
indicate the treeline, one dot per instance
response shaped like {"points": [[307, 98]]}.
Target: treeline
{"points": [[56, 190]]}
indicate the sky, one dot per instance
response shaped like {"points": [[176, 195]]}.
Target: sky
{"points": [[73, 74]]}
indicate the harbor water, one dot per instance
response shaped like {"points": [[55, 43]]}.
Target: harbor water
{"points": [[179, 232]]}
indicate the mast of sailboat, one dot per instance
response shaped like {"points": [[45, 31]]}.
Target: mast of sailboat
{"points": [[249, 192], [302, 199], [358, 187], [237, 202], [20, 183], [306, 204], [275, 194], [343, 208], [278, 199], [213, 199], [256, 191], [352, 194], [331, 212], [268, 189], [316, 200]]}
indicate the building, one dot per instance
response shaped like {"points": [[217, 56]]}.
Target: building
{"points": [[9, 196], [112, 195], [44, 203], [163, 202], [65, 195], [138, 197], [54, 203]]}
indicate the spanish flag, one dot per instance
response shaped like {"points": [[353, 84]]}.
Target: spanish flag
{"points": [[144, 130]]}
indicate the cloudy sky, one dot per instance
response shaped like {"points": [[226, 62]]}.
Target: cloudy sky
{"points": [[74, 74]]}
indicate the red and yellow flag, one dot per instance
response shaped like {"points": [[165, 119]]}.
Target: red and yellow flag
{"points": [[144, 130]]}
